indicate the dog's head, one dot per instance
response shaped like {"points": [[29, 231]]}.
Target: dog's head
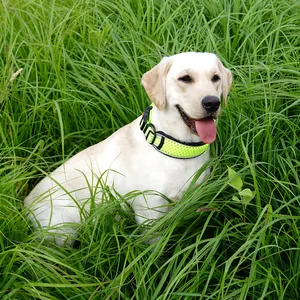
{"points": [[191, 83]]}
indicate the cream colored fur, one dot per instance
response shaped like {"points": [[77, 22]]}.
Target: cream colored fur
{"points": [[55, 201]]}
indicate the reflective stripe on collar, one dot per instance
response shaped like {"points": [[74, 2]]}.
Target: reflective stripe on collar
{"points": [[167, 144]]}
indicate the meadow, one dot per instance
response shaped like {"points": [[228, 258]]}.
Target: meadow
{"points": [[236, 235]]}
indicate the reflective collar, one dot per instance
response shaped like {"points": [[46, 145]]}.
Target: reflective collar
{"points": [[167, 144]]}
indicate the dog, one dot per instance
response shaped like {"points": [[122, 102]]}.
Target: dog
{"points": [[160, 150]]}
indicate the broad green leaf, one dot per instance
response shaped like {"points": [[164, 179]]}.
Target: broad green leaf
{"points": [[246, 195], [235, 198], [234, 179]]}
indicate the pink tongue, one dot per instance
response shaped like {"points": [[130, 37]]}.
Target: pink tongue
{"points": [[206, 130]]}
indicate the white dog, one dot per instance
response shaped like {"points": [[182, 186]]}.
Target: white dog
{"points": [[159, 151]]}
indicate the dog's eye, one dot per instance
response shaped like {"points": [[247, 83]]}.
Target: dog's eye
{"points": [[186, 79], [215, 78]]}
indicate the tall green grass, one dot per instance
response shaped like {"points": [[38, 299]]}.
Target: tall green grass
{"points": [[82, 62]]}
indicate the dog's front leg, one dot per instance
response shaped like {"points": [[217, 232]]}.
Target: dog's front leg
{"points": [[149, 208]]}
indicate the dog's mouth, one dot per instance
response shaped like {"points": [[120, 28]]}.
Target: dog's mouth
{"points": [[205, 128]]}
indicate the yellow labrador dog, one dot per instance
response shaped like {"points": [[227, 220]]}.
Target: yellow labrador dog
{"points": [[160, 150]]}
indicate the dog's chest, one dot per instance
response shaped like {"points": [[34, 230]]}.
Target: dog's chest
{"points": [[178, 174], [169, 176]]}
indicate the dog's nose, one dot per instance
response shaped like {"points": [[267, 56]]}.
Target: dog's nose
{"points": [[211, 103]]}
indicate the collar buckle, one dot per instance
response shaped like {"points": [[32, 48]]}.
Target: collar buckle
{"points": [[150, 133], [147, 127]]}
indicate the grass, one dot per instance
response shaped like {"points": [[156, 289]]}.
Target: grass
{"points": [[82, 63]]}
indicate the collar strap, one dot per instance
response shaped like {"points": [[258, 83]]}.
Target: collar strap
{"points": [[167, 144]]}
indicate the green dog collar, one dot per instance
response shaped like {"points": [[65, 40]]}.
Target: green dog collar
{"points": [[167, 144]]}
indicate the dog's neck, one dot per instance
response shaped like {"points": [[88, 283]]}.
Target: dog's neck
{"points": [[169, 121]]}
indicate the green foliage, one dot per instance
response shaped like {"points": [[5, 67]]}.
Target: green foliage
{"points": [[246, 195], [234, 180], [236, 236]]}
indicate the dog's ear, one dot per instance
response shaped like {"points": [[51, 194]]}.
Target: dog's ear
{"points": [[154, 82], [226, 81]]}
